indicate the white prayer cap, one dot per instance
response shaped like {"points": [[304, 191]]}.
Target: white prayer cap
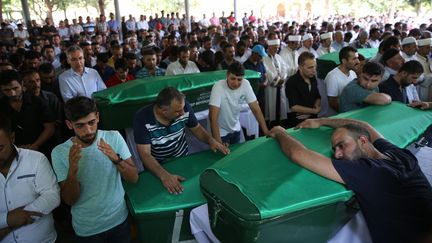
{"points": [[425, 42], [307, 36], [327, 35], [409, 40], [275, 42], [294, 38]]}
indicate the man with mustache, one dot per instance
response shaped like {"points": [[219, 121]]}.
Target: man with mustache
{"points": [[89, 168], [32, 120], [397, 86]]}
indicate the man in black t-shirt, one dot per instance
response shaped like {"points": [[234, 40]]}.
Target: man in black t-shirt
{"points": [[393, 193]]}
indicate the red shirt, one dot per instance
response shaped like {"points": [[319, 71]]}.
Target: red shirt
{"points": [[115, 80]]}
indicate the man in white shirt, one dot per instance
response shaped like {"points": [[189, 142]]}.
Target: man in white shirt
{"points": [[21, 33], [339, 77], [75, 28], [307, 42], [409, 49], [204, 22], [325, 47], [29, 192], [142, 24], [226, 99], [182, 65], [374, 35], [290, 55]]}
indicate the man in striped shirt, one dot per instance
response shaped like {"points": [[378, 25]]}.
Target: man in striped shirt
{"points": [[159, 132]]}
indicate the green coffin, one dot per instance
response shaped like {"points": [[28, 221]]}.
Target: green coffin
{"points": [[259, 185], [327, 62], [117, 105]]}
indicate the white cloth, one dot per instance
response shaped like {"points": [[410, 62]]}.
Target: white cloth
{"points": [[176, 68], [355, 231], [31, 183], [230, 102], [200, 225], [336, 81], [408, 58], [412, 93], [275, 66], [290, 57], [246, 55], [64, 33], [311, 50], [424, 87]]}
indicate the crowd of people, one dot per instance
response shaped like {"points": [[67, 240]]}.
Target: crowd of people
{"points": [[48, 75]]}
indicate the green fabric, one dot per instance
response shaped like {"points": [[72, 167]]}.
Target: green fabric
{"points": [[276, 186], [117, 105], [148, 195], [327, 62]]}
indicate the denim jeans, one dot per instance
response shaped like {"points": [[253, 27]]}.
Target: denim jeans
{"points": [[118, 234], [231, 138]]}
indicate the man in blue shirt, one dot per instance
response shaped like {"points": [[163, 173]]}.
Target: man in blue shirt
{"points": [[79, 80], [89, 168], [159, 132]]}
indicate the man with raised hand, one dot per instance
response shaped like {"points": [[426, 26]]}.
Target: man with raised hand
{"points": [[89, 168]]}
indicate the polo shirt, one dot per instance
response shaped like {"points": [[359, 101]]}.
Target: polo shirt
{"points": [[166, 141]]}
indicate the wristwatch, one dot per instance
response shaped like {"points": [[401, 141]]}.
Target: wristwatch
{"points": [[116, 162]]}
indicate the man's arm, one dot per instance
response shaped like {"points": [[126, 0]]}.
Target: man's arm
{"points": [[70, 188], [4, 232], [256, 110], [170, 181], [378, 99], [338, 122], [204, 137], [214, 124], [422, 105], [46, 187], [305, 110], [306, 158], [47, 133], [126, 167]]}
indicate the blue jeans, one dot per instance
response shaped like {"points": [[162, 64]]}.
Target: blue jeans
{"points": [[231, 138], [118, 234]]}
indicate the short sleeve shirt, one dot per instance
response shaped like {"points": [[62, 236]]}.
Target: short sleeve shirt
{"points": [[353, 95], [336, 81], [394, 195], [230, 103], [101, 205], [166, 141]]}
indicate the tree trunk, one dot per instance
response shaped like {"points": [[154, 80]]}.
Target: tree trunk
{"points": [[1, 10], [49, 5], [101, 4], [418, 8], [392, 10]]}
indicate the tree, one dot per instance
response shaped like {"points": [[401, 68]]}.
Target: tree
{"points": [[101, 5]]}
